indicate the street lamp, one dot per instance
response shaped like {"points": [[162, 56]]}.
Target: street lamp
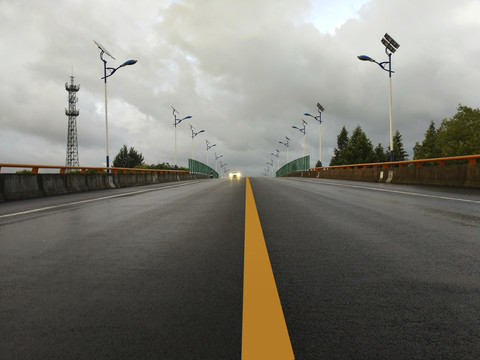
{"points": [[303, 131], [319, 119], [271, 164], [216, 162], [222, 165], [105, 76], [209, 147], [192, 128], [286, 145], [176, 122], [277, 155], [390, 47]]}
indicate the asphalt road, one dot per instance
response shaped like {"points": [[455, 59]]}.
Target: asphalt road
{"points": [[364, 271]]}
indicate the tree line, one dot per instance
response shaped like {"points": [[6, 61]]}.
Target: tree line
{"points": [[459, 135], [130, 158], [358, 149]]}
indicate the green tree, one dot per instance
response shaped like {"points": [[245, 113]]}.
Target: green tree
{"points": [[399, 153], [460, 135], [428, 149], [381, 155], [128, 158], [359, 148], [339, 151]]}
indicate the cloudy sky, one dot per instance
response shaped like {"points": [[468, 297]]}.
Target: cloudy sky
{"points": [[245, 70]]}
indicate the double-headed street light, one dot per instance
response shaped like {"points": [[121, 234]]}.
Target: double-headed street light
{"points": [[209, 147], [390, 47], [286, 145], [105, 76], [319, 119], [304, 132], [176, 122], [192, 128]]}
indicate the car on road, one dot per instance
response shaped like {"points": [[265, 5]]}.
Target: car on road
{"points": [[234, 175]]}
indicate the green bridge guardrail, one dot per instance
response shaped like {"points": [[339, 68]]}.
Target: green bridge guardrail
{"points": [[196, 167], [300, 164]]}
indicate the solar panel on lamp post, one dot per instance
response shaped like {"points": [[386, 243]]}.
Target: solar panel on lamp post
{"points": [[209, 147], [304, 132], [176, 122], [390, 47], [319, 119], [216, 161], [277, 155], [111, 71], [194, 134], [287, 145]]}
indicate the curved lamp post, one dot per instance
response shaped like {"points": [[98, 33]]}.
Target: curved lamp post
{"points": [[319, 119], [216, 161], [176, 122], [277, 155], [286, 145], [390, 47], [304, 132], [271, 164], [111, 71], [209, 147], [192, 128]]}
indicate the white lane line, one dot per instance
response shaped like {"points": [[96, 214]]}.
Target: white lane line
{"points": [[395, 191], [91, 200]]}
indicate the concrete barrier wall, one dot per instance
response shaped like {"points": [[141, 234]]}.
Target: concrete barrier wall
{"points": [[450, 175], [27, 186]]}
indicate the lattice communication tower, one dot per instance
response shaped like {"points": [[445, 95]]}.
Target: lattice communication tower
{"points": [[72, 113]]}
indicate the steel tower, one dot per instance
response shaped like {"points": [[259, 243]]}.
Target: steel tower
{"points": [[72, 113]]}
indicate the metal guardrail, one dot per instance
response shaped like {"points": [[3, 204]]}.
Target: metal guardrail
{"points": [[98, 170], [472, 160], [300, 164], [197, 167]]}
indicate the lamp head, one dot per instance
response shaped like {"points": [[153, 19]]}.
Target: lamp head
{"points": [[365, 58], [128, 62]]}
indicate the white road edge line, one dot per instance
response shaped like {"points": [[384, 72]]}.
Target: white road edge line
{"points": [[394, 191], [92, 200]]}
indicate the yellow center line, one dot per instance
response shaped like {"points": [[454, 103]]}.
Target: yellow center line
{"points": [[264, 331]]}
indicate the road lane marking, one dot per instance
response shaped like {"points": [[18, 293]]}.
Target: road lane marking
{"points": [[394, 191], [264, 331], [90, 200]]}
